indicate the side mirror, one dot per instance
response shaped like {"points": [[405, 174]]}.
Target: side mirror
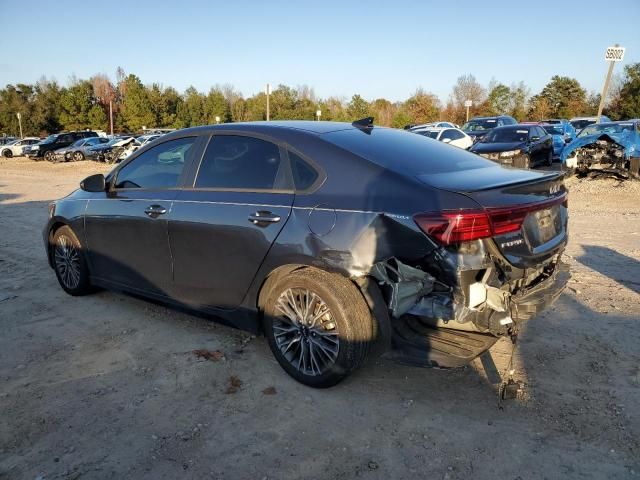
{"points": [[446, 140], [94, 183]]}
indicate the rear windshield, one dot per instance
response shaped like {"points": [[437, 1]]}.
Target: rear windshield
{"points": [[405, 152], [480, 125]]}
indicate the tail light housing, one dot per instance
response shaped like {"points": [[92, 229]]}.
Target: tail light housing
{"points": [[455, 226]]}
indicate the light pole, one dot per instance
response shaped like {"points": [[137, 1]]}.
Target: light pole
{"points": [[613, 54], [111, 116], [318, 114], [19, 115], [268, 92]]}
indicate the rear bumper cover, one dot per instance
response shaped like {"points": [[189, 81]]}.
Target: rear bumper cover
{"points": [[531, 301]]}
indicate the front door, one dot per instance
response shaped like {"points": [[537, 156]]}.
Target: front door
{"points": [[127, 227]]}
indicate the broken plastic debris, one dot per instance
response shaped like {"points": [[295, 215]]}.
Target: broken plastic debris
{"points": [[408, 284]]}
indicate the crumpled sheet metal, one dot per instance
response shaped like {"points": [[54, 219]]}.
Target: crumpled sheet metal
{"points": [[408, 284]]}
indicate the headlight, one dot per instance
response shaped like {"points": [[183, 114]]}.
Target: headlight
{"points": [[35, 147], [510, 153]]}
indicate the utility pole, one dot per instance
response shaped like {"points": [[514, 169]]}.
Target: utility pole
{"points": [[318, 114], [19, 115], [111, 116], [268, 92], [613, 54]]}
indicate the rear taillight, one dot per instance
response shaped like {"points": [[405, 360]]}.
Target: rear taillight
{"points": [[455, 226]]}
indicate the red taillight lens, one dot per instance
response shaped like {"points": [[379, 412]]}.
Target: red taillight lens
{"points": [[455, 226]]}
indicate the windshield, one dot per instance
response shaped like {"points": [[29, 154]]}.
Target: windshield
{"points": [[50, 139], [479, 125], [580, 124], [608, 128], [507, 135], [429, 133], [78, 143], [553, 129]]}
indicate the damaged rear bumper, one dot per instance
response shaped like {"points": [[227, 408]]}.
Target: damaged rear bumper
{"points": [[435, 326]]}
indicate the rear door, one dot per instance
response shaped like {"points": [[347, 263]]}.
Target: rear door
{"points": [[222, 227]]}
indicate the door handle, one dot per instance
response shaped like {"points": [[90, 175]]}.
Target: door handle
{"points": [[155, 210], [262, 217]]}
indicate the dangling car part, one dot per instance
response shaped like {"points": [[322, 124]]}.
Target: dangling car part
{"points": [[611, 148]]}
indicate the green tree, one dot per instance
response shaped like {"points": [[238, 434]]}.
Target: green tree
{"points": [[75, 104], [499, 100], [626, 104], [190, 112], [357, 108], [565, 97], [136, 110], [215, 105]]}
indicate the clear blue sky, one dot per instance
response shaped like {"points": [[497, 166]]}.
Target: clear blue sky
{"points": [[375, 48]]}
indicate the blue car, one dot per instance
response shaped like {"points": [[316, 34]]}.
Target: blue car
{"points": [[611, 146], [568, 131], [559, 140]]}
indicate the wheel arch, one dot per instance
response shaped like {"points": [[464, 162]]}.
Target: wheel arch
{"points": [[53, 228], [367, 287]]}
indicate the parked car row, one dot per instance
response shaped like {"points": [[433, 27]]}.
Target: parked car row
{"points": [[77, 146]]}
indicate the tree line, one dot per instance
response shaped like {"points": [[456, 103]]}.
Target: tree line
{"points": [[47, 107]]}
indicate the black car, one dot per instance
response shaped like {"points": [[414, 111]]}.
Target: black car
{"points": [[522, 146], [46, 148], [337, 241], [478, 127]]}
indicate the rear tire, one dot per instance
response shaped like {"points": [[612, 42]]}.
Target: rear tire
{"points": [[550, 159], [69, 262], [78, 156], [49, 156], [7, 153], [318, 325]]}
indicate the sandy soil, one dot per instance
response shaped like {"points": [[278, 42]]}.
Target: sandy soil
{"points": [[107, 386]]}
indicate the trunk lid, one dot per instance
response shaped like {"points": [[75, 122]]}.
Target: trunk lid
{"points": [[537, 199]]}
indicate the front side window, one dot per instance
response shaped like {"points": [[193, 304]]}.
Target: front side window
{"points": [[157, 168], [243, 163]]}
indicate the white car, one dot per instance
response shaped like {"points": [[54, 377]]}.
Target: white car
{"points": [[426, 126], [14, 149], [452, 136]]}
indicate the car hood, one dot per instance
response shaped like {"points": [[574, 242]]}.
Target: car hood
{"points": [[629, 142], [497, 147], [477, 134]]}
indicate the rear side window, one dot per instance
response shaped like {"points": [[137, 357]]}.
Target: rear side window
{"points": [[243, 163], [405, 152], [304, 175], [158, 168]]}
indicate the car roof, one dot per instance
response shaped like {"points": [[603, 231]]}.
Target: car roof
{"points": [[517, 126], [309, 127]]}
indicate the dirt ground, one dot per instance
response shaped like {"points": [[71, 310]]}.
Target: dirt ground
{"points": [[107, 386]]}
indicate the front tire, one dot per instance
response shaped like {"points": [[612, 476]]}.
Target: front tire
{"points": [[78, 156], [550, 159], [7, 153], [49, 156], [69, 262], [318, 325]]}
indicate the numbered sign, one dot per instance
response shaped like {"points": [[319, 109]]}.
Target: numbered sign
{"points": [[614, 54]]}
